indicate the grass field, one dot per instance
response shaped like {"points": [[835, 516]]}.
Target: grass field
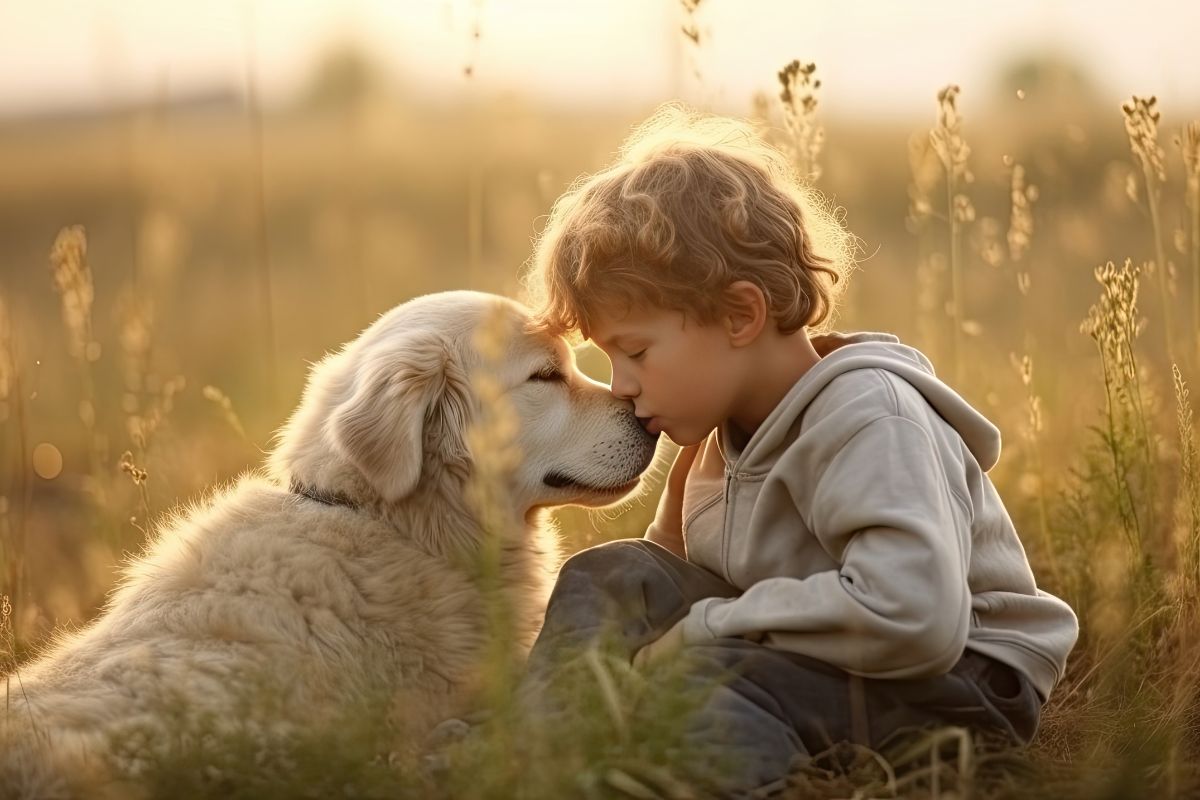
{"points": [[1043, 249]]}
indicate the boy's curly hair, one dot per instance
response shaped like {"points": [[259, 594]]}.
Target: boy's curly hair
{"points": [[693, 203]]}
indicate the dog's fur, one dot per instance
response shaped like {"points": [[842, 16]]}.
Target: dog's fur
{"points": [[353, 564]]}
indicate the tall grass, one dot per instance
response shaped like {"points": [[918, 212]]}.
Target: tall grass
{"points": [[952, 150], [1141, 124], [16, 492], [73, 280], [1188, 143]]}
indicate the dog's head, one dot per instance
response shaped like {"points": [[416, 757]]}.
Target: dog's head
{"points": [[406, 407]]}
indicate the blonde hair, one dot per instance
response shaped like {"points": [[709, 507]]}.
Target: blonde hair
{"points": [[693, 203]]}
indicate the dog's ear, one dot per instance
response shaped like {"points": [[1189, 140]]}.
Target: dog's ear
{"points": [[381, 427]]}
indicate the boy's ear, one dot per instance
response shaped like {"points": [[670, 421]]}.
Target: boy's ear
{"points": [[744, 312]]}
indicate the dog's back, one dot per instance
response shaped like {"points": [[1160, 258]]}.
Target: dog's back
{"points": [[261, 609]]}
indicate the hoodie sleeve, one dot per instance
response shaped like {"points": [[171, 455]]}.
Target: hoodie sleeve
{"points": [[899, 606]]}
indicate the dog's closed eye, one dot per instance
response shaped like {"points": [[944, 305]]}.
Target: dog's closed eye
{"points": [[548, 374]]}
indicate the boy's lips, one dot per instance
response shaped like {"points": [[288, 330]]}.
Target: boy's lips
{"points": [[650, 425]]}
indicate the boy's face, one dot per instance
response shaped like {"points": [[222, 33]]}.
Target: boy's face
{"points": [[681, 375]]}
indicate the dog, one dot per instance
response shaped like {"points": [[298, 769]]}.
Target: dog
{"points": [[352, 567]]}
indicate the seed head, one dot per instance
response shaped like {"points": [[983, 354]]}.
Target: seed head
{"points": [[1188, 143], [947, 138], [1020, 225], [798, 96], [73, 281], [1113, 322], [1141, 123], [131, 469]]}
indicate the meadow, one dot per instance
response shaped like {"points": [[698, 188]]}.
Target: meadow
{"points": [[168, 270]]}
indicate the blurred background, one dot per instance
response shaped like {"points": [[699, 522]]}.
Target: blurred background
{"points": [[257, 181]]}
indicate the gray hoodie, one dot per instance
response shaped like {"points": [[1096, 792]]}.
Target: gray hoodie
{"points": [[862, 528]]}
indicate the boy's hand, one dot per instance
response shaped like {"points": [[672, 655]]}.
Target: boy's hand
{"points": [[660, 649]]}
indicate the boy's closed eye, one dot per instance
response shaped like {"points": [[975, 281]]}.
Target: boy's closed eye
{"points": [[637, 356]]}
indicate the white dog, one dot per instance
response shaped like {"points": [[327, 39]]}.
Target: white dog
{"points": [[353, 565]]}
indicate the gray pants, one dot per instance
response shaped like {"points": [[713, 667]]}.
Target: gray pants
{"points": [[769, 707]]}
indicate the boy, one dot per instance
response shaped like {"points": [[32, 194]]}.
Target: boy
{"points": [[828, 534]]}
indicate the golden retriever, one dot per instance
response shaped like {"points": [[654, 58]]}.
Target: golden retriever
{"points": [[352, 562]]}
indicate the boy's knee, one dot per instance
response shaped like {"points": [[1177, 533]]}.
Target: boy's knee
{"points": [[620, 555]]}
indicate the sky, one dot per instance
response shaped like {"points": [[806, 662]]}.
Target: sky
{"points": [[875, 56]]}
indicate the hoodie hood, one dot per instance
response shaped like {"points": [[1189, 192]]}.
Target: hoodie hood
{"points": [[870, 350]]}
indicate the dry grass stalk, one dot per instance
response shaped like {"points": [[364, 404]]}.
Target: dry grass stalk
{"points": [[8, 369], [691, 31], [924, 165], [1114, 325], [135, 314], [1189, 498], [689, 28], [952, 150], [139, 477], [262, 261], [760, 111], [225, 404], [1141, 125], [1188, 143], [73, 282], [136, 337], [1020, 226], [798, 97], [929, 279], [1032, 434], [8, 650], [1113, 322], [986, 239], [495, 454], [13, 536]]}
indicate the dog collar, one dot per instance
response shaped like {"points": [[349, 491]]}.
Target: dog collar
{"points": [[324, 498]]}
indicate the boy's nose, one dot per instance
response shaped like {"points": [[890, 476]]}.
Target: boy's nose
{"points": [[623, 388]]}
